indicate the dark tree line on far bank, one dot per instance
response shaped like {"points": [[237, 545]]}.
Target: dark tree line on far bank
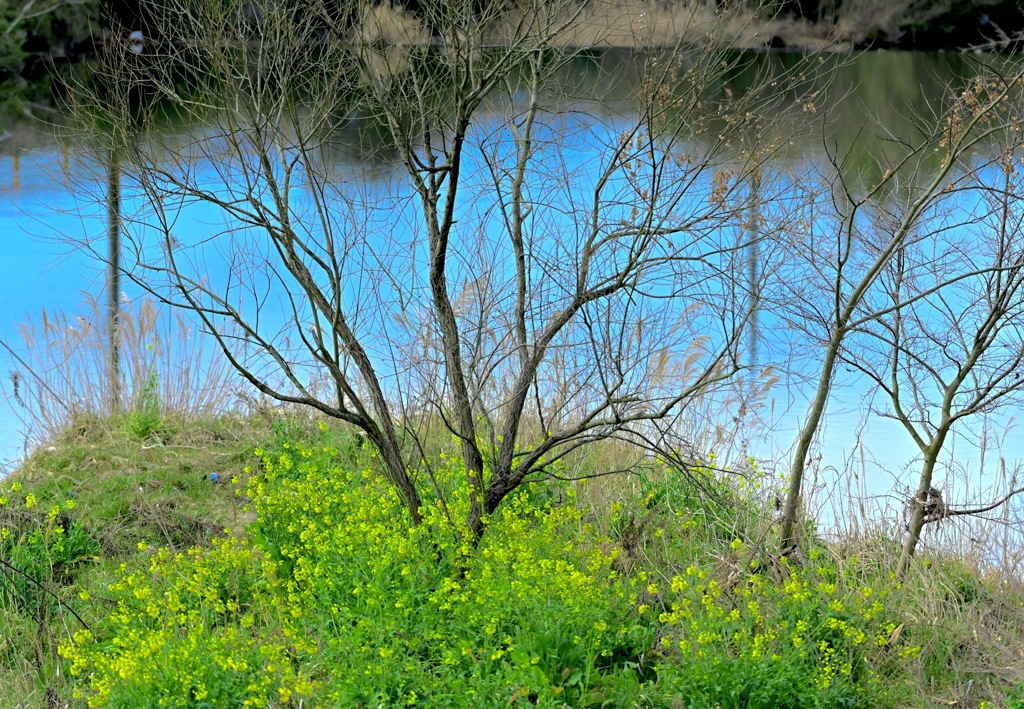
{"points": [[38, 38]]}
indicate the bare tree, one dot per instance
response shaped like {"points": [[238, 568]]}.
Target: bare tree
{"points": [[852, 235], [943, 356], [534, 277]]}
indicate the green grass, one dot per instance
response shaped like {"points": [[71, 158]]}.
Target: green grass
{"points": [[652, 589], [133, 489], [123, 491]]}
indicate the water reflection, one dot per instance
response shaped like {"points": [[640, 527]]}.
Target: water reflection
{"points": [[869, 98], [865, 101]]}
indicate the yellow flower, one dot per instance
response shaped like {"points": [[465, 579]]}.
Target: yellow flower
{"points": [[30, 501]]}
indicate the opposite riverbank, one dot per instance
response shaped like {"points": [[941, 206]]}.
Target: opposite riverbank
{"points": [[37, 46]]}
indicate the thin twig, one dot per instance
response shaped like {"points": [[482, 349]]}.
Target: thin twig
{"points": [[980, 510], [11, 568]]}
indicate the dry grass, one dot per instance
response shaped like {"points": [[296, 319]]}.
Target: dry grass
{"points": [[640, 24], [963, 600], [860, 20], [623, 24], [167, 370], [387, 25], [636, 24]]}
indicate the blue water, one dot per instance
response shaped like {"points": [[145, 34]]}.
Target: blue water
{"points": [[41, 217], [39, 268]]}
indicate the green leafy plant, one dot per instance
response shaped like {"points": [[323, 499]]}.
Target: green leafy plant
{"points": [[778, 636], [333, 576], [144, 420], [191, 630], [40, 550]]}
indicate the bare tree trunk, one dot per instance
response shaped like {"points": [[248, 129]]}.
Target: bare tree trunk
{"points": [[803, 446], [113, 279], [439, 239], [918, 517]]}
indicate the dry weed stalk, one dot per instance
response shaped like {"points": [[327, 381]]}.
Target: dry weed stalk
{"points": [[63, 369]]}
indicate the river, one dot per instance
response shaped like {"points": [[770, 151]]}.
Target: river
{"points": [[53, 199]]}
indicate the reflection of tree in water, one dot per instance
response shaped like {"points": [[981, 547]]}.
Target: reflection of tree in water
{"points": [[754, 261], [862, 101], [113, 277]]}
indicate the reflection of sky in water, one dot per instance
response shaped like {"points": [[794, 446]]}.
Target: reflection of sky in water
{"points": [[38, 271]]}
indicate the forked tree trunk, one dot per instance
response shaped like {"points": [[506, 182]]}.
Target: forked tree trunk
{"points": [[919, 516]]}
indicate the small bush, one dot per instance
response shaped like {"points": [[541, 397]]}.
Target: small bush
{"points": [[422, 614], [41, 550], [807, 638], [191, 630]]}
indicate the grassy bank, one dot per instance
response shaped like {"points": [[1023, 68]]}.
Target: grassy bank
{"points": [[132, 578]]}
